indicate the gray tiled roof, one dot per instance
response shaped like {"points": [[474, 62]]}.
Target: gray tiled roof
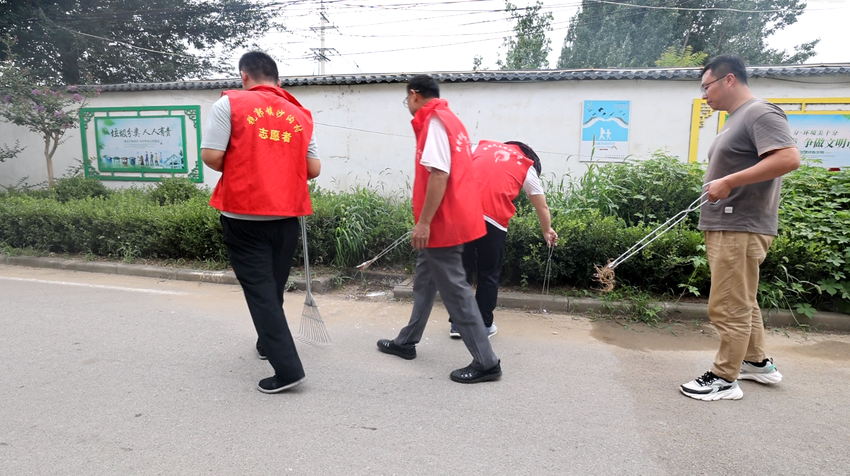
{"points": [[499, 76]]}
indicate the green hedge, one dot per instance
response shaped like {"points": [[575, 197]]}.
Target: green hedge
{"points": [[166, 221], [598, 216]]}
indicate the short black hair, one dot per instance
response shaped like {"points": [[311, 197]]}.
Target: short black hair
{"points": [[259, 66], [424, 85], [725, 64], [529, 152]]}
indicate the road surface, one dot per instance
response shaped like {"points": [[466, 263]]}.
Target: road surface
{"points": [[106, 374]]}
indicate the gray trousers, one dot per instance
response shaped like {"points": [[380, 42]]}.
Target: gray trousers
{"points": [[441, 269]]}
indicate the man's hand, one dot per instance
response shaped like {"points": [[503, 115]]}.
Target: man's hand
{"points": [[718, 190], [434, 193], [421, 234], [773, 164], [551, 237]]}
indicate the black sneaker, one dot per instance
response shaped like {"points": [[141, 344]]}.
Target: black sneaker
{"points": [[389, 347], [261, 353], [273, 385], [471, 375]]}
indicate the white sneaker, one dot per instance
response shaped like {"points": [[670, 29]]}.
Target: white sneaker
{"points": [[767, 373], [710, 387], [492, 330]]}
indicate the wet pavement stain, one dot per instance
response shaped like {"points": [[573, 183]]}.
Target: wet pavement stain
{"points": [[644, 338]]}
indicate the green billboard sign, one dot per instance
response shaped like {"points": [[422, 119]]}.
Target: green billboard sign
{"points": [[142, 143]]}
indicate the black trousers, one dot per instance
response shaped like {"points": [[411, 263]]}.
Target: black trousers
{"points": [[484, 257], [261, 254]]}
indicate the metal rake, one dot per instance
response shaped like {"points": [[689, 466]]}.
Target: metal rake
{"points": [[547, 279], [605, 274], [362, 266], [312, 329]]}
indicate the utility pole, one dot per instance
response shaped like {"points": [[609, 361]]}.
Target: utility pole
{"points": [[323, 54]]}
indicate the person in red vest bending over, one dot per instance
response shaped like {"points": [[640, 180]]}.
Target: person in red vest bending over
{"points": [[502, 170], [448, 213], [261, 140]]}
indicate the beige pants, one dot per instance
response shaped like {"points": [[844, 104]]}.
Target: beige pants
{"points": [[734, 259]]}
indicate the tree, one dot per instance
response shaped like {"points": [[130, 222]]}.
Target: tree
{"points": [[628, 34], [672, 57], [49, 112], [10, 152], [477, 63], [530, 47], [117, 41]]}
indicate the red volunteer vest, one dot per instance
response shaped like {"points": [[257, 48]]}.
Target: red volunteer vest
{"points": [[460, 217], [265, 165], [500, 170]]}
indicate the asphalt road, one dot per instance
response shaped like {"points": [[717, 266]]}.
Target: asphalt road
{"points": [[105, 374]]}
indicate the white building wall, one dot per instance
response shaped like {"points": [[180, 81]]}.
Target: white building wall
{"points": [[364, 134]]}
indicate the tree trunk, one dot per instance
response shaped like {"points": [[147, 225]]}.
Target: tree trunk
{"points": [[48, 156]]}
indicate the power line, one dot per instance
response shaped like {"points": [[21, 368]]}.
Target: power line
{"points": [[166, 12], [695, 9], [418, 35], [127, 44], [547, 9], [500, 37], [363, 130], [323, 54]]}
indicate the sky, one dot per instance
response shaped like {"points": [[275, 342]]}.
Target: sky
{"points": [[395, 36]]}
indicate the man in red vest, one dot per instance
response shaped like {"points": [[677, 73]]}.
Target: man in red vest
{"points": [[502, 170], [448, 213], [261, 140]]}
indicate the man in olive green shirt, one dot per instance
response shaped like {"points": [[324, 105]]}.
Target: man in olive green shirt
{"points": [[747, 160]]}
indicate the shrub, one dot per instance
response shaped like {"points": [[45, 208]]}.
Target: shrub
{"points": [[79, 188], [590, 238], [809, 261], [347, 228], [598, 217], [174, 190], [636, 191]]}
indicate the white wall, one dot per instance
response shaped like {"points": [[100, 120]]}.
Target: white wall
{"points": [[364, 133]]}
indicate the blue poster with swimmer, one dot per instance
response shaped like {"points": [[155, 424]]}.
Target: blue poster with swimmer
{"points": [[605, 130]]}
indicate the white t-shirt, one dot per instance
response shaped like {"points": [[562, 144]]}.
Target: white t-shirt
{"points": [[532, 185], [437, 154]]}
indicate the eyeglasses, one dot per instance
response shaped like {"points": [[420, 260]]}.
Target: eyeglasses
{"points": [[408, 97], [704, 87]]}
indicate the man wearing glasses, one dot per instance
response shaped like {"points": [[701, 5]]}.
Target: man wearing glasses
{"points": [[448, 212], [747, 160]]}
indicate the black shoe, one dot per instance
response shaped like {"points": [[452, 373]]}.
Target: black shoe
{"points": [[273, 385], [389, 347], [471, 375], [261, 353]]}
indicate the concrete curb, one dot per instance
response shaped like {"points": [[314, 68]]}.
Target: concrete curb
{"points": [[319, 285], [824, 321], [379, 277]]}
